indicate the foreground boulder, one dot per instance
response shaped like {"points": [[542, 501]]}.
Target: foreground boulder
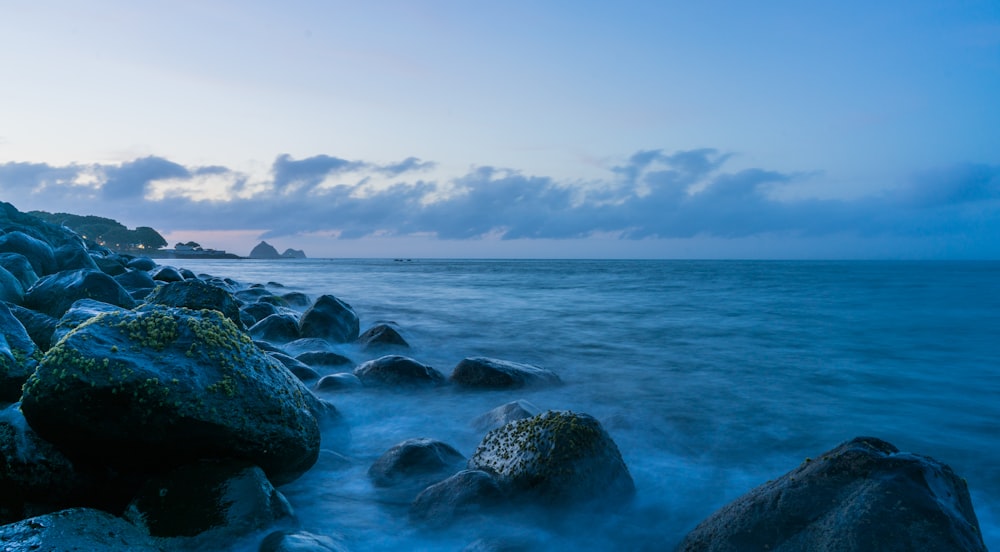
{"points": [[75, 529], [557, 457], [38, 252], [167, 386], [492, 373], [862, 495], [399, 371], [330, 318], [213, 499], [54, 294]]}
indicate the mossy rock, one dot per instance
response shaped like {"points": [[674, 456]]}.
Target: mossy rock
{"points": [[557, 457], [196, 295], [166, 386]]}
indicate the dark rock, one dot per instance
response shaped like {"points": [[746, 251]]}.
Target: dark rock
{"points": [[297, 299], [39, 326], [166, 274], [395, 370], [18, 355], [168, 386], [558, 457], [142, 263], [54, 294], [75, 529], [38, 252], [503, 415], [11, 289], [196, 295], [136, 280], [297, 367], [300, 541], [293, 254], [19, 266], [323, 358], [259, 311], [334, 382], [308, 344], [275, 300], [414, 464], [73, 256], [382, 335], [109, 265], [491, 373], [503, 544], [330, 318], [252, 294], [468, 492], [81, 311], [264, 250], [862, 495], [187, 274], [224, 498], [277, 328]]}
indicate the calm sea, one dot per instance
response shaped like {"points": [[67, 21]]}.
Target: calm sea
{"points": [[712, 377]]}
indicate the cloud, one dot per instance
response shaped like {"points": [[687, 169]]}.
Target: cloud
{"points": [[653, 194]]}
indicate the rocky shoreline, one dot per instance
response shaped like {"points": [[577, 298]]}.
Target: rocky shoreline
{"points": [[145, 407]]}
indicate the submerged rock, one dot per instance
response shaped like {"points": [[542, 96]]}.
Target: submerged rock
{"points": [[505, 414], [396, 370], [468, 492], [558, 457], [492, 373], [223, 498], [300, 541], [330, 318], [75, 529], [415, 464], [862, 495], [168, 386], [382, 335]]}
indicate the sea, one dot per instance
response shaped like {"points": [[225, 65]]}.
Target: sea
{"points": [[712, 377]]}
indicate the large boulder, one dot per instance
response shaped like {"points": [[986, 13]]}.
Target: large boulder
{"points": [[136, 280], [81, 311], [330, 318], [167, 386], [39, 326], [862, 495], [19, 266], [557, 457], [166, 274], [380, 336], [213, 499], [11, 289], [73, 256], [38, 252], [75, 529], [54, 294], [196, 295], [397, 371], [18, 355], [492, 373], [276, 328]]}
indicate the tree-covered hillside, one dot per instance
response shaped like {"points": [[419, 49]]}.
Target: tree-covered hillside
{"points": [[107, 232]]}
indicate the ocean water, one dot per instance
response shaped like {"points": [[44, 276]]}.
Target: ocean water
{"points": [[711, 376]]}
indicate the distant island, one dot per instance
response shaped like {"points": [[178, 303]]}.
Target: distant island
{"points": [[147, 242]]}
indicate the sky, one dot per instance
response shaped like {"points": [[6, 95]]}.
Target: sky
{"points": [[525, 129]]}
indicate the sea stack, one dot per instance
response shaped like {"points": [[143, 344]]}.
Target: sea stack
{"points": [[264, 250]]}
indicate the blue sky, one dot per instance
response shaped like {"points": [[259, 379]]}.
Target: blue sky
{"points": [[514, 129]]}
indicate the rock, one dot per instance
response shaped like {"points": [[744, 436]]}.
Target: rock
{"points": [[334, 382], [142, 263], [395, 370], [300, 541], [414, 464], [381, 335], [297, 367], [38, 252], [264, 250], [293, 254], [109, 265], [224, 498], [135, 280], [862, 495], [491, 373], [75, 529], [19, 266], [252, 295], [54, 294], [167, 386], [297, 299], [166, 274], [18, 356], [557, 457], [277, 328], [39, 326], [503, 415], [259, 311], [81, 311], [323, 358], [11, 289], [277, 301], [330, 318], [73, 256], [503, 544], [196, 295], [466, 493]]}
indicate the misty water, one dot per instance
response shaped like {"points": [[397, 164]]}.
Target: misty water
{"points": [[712, 377]]}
